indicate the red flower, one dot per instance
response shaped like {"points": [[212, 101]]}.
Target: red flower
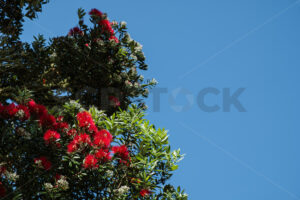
{"points": [[36, 109], [114, 38], [51, 136], [77, 141], [2, 190], [47, 120], [43, 162], [72, 132], [23, 112], [86, 121], [90, 161], [9, 111], [145, 192], [41, 110], [12, 110], [72, 146], [103, 155], [83, 138], [96, 12], [31, 104], [75, 31], [57, 177], [106, 26], [122, 152], [60, 119], [102, 139], [93, 128], [61, 125], [105, 23], [115, 100]]}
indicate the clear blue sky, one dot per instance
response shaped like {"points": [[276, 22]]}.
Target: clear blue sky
{"points": [[252, 44]]}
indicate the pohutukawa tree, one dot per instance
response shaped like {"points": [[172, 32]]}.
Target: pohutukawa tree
{"points": [[69, 126]]}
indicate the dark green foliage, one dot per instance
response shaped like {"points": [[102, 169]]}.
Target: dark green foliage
{"points": [[88, 67], [12, 16]]}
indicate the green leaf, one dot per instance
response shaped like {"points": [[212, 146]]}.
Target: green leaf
{"points": [[174, 167]]}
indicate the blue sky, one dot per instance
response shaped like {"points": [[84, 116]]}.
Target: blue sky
{"points": [[193, 45]]}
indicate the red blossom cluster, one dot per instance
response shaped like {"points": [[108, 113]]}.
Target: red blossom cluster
{"points": [[72, 132], [23, 112], [122, 152], [78, 142], [46, 121], [75, 31], [103, 155], [63, 126], [145, 192], [100, 140], [101, 143], [12, 111], [87, 138], [104, 23], [96, 12], [51, 136], [43, 162], [36, 109], [85, 120], [90, 161]]}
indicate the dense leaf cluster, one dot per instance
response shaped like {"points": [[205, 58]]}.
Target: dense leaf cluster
{"points": [[12, 16], [88, 66]]}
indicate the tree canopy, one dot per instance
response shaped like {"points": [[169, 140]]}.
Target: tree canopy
{"points": [[72, 114]]}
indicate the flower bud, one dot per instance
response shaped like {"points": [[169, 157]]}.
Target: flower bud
{"points": [[127, 38], [128, 83], [153, 81], [114, 23], [48, 187], [141, 77], [122, 190], [123, 24], [63, 183]]}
